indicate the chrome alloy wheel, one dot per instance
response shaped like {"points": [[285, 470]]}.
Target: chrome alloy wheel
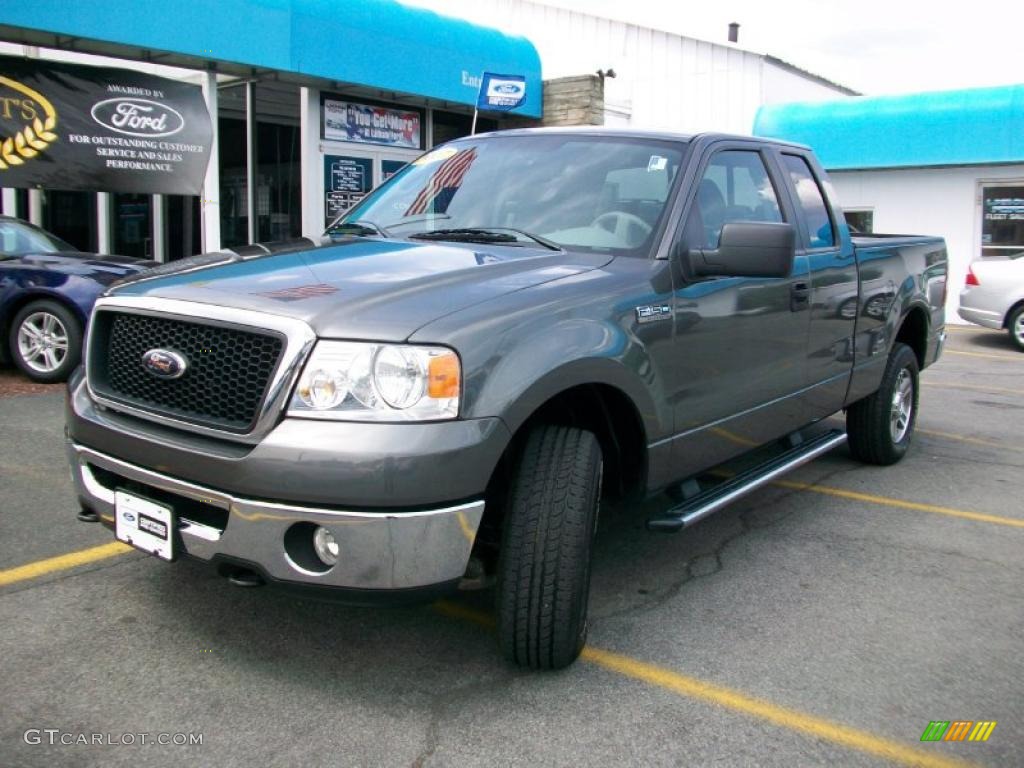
{"points": [[902, 406], [43, 342], [1018, 328]]}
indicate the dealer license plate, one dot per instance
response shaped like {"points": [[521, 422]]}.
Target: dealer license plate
{"points": [[144, 524]]}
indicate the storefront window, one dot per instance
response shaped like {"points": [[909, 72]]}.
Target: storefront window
{"points": [[182, 226], [1002, 228], [453, 125], [278, 178], [71, 216], [132, 225], [234, 208]]}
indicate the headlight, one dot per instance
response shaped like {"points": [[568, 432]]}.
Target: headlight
{"points": [[352, 381]]}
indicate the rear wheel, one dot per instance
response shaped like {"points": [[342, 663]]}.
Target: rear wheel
{"points": [[46, 341], [1015, 325], [544, 569], [879, 427]]}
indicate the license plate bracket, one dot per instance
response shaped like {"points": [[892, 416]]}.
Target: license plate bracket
{"points": [[145, 524]]}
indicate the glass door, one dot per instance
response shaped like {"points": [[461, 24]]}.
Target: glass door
{"points": [[132, 226]]}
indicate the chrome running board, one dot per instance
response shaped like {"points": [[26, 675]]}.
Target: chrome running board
{"points": [[707, 502]]}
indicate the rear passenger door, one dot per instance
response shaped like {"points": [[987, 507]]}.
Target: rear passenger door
{"points": [[835, 299], [740, 342]]}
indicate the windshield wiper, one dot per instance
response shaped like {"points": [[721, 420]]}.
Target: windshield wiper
{"points": [[485, 235], [357, 227]]}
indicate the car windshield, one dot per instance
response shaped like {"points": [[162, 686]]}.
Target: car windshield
{"points": [[18, 238], [591, 193]]}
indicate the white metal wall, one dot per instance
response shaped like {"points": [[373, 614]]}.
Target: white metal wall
{"points": [[663, 80], [928, 201]]}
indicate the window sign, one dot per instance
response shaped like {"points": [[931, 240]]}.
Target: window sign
{"points": [[389, 168], [346, 180], [1002, 227], [369, 124]]}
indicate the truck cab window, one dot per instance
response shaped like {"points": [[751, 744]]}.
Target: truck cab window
{"points": [[812, 201], [735, 187]]}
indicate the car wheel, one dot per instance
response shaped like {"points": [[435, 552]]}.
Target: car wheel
{"points": [[544, 567], [46, 341], [879, 427], [1015, 325]]}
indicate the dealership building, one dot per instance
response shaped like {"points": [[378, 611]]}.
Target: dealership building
{"points": [[947, 163], [310, 104]]}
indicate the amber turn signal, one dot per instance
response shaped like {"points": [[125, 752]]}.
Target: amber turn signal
{"points": [[443, 376]]}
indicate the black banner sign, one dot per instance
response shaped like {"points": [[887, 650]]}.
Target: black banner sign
{"points": [[99, 129]]}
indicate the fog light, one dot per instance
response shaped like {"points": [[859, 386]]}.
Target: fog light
{"points": [[325, 546]]}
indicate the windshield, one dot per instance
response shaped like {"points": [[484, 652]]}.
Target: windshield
{"points": [[18, 238], [592, 193]]}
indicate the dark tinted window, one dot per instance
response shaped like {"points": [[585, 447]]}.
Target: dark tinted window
{"points": [[810, 198], [735, 187]]}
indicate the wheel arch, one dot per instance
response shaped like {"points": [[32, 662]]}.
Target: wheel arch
{"points": [[913, 331]]}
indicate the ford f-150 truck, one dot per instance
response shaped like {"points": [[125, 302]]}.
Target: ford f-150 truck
{"points": [[511, 328]]}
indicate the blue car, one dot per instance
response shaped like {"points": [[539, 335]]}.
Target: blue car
{"points": [[47, 289]]}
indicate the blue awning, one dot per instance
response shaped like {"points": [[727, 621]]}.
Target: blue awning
{"points": [[373, 43], [968, 127]]}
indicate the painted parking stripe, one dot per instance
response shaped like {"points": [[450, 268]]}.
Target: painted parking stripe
{"points": [[793, 719], [62, 562], [900, 503], [928, 383], [969, 439], [1011, 358], [735, 701]]}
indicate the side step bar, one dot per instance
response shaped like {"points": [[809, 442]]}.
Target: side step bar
{"points": [[707, 502]]}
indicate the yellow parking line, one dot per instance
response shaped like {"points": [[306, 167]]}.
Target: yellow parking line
{"points": [[972, 388], [900, 503], [62, 562], [966, 439], [948, 351], [734, 700], [785, 717]]}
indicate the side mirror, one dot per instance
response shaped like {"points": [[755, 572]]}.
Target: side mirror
{"points": [[748, 249]]}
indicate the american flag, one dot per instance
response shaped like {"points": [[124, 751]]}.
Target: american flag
{"points": [[300, 292], [440, 189]]}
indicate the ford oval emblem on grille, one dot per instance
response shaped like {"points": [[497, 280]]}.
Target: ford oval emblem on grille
{"points": [[165, 363]]}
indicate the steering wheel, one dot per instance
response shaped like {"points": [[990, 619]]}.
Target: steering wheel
{"points": [[623, 224]]}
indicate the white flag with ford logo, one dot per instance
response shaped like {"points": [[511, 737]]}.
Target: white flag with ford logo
{"points": [[500, 93]]}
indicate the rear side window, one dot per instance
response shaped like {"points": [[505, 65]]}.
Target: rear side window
{"points": [[735, 187], [812, 201]]}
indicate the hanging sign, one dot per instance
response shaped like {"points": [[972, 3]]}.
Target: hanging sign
{"points": [[100, 129]]}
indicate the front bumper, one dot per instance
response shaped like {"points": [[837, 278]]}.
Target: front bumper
{"points": [[379, 551]]}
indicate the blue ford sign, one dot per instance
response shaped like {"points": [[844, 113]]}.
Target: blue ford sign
{"points": [[500, 93]]}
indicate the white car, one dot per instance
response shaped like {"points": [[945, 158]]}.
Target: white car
{"points": [[994, 295]]}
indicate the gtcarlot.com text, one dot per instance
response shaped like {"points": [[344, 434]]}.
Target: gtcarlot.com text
{"points": [[55, 736]]}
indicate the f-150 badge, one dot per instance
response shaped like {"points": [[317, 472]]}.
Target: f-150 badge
{"points": [[649, 313]]}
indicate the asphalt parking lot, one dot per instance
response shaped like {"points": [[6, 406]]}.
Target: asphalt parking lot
{"points": [[825, 620]]}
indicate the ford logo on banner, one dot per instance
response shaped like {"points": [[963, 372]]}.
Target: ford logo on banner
{"points": [[138, 117], [500, 93]]}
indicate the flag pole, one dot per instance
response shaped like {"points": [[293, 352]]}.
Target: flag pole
{"points": [[476, 107]]}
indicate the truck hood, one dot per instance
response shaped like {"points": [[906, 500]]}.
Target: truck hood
{"points": [[362, 289]]}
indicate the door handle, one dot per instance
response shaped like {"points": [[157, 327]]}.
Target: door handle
{"points": [[799, 296]]}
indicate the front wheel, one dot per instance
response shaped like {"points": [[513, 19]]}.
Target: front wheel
{"points": [[544, 569], [46, 341], [1015, 326], [879, 427]]}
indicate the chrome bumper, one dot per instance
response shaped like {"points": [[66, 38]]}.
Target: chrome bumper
{"points": [[378, 550]]}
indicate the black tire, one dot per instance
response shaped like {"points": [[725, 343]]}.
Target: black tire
{"points": [[873, 436], [544, 568], [64, 319], [1015, 327]]}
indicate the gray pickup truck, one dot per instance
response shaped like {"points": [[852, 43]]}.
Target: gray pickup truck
{"points": [[512, 328]]}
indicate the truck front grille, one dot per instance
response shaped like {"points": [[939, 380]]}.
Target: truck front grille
{"points": [[226, 377]]}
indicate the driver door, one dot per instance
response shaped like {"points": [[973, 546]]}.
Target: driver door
{"points": [[740, 347]]}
